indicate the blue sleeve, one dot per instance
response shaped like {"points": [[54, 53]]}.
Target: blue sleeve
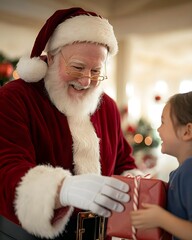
{"points": [[185, 186]]}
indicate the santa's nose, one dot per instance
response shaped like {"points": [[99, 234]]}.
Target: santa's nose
{"points": [[85, 80]]}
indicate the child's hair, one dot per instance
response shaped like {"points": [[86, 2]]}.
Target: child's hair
{"points": [[181, 108]]}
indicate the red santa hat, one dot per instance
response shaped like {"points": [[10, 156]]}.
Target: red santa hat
{"points": [[64, 27]]}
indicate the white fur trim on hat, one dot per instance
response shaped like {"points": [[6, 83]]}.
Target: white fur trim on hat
{"points": [[84, 28], [35, 201], [31, 69], [81, 28]]}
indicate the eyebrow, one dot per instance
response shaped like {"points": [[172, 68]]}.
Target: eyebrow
{"points": [[76, 61]]}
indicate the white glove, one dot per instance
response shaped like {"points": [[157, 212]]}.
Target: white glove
{"points": [[95, 193]]}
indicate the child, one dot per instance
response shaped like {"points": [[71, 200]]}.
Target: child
{"points": [[176, 134]]}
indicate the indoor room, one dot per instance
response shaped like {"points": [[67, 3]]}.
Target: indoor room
{"points": [[154, 62]]}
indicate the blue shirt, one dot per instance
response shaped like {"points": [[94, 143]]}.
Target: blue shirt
{"points": [[180, 192]]}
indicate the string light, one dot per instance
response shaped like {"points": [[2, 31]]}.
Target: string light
{"points": [[138, 138], [148, 141], [15, 74]]}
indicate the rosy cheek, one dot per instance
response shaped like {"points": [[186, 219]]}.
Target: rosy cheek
{"points": [[64, 76]]}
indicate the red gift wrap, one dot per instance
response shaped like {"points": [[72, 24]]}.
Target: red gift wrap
{"points": [[152, 191]]}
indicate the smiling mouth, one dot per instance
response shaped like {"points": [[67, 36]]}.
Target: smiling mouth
{"points": [[78, 87]]}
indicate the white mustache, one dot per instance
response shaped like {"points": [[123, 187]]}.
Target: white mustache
{"points": [[78, 86]]}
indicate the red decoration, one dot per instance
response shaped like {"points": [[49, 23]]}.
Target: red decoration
{"points": [[6, 69], [157, 98], [124, 112], [130, 129], [150, 160]]}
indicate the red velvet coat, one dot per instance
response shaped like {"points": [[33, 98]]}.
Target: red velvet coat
{"points": [[33, 132]]}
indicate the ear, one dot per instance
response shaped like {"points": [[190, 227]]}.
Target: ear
{"points": [[187, 132]]}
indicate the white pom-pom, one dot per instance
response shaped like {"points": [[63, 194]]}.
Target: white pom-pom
{"points": [[31, 69]]}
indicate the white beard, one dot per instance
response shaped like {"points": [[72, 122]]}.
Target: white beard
{"points": [[57, 90], [86, 152]]}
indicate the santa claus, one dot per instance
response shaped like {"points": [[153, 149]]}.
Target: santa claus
{"points": [[60, 135]]}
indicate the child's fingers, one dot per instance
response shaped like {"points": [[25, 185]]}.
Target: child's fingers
{"points": [[147, 205]]}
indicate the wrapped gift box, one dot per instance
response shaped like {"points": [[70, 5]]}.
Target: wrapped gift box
{"points": [[149, 191]]}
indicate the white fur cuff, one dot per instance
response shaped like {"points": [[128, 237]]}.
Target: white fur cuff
{"points": [[35, 201]]}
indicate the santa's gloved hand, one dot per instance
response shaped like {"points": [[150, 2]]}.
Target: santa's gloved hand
{"points": [[95, 193]]}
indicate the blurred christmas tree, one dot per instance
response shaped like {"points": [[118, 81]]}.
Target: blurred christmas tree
{"points": [[143, 138], [7, 67], [140, 135]]}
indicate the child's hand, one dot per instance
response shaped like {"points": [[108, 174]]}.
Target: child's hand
{"points": [[148, 217]]}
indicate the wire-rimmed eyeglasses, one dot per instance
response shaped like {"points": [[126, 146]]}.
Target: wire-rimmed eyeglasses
{"points": [[75, 73]]}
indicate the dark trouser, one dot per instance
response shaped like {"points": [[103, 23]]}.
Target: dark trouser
{"points": [[11, 231]]}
